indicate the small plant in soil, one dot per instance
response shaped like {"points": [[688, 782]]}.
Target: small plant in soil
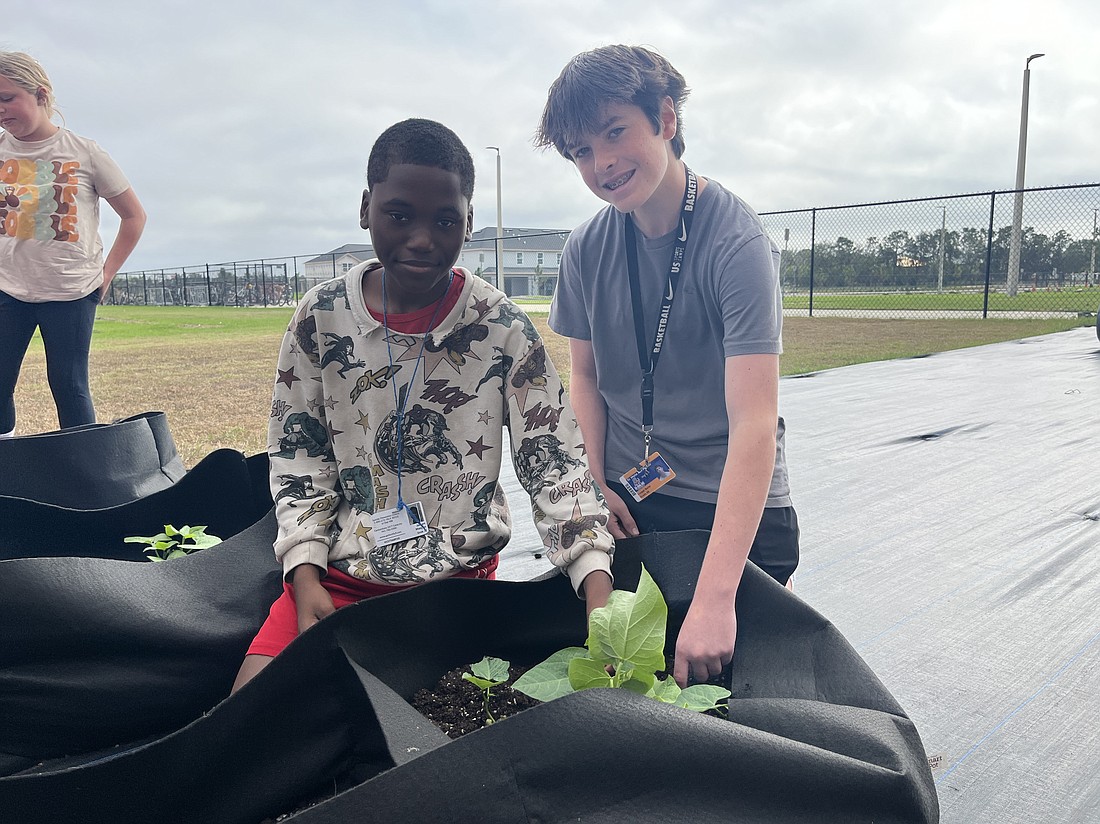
{"points": [[625, 649], [487, 673], [175, 543]]}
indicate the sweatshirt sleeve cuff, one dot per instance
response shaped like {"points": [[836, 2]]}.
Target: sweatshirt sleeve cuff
{"points": [[590, 561], [309, 552]]}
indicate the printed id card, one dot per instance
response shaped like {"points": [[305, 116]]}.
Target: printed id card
{"points": [[399, 524], [648, 476]]}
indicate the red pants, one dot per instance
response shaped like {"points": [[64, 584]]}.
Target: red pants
{"points": [[281, 626]]}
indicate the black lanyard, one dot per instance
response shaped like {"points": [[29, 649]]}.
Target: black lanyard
{"points": [[648, 355]]}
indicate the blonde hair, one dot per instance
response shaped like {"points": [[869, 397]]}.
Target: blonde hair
{"points": [[27, 73]]}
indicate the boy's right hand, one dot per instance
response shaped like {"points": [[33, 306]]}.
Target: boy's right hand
{"points": [[622, 522], [312, 599]]}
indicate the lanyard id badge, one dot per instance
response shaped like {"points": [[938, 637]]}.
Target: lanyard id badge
{"points": [[647, 477], [653, 471], [399, 523], [406, 520]]}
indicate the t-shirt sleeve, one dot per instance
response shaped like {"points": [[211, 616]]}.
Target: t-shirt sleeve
{"points": [[107, 176], [750, 300], [568, 310]]}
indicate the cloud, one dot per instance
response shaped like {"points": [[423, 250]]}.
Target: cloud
{"points": [[245, 126]]}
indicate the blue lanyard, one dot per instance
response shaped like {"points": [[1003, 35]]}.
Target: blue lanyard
{"points": [[400, 404]]}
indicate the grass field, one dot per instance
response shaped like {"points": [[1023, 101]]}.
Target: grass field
{"points": [[1083, 300], [211, 369]]}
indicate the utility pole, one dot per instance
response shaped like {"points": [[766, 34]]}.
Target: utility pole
{"points": [[1013, 280], [500, 228]]}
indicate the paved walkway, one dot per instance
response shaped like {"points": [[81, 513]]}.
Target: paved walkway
{"points": [[950, 511]]}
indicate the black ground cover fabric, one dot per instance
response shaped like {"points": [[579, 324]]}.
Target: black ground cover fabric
{"points": [[94, 466], [225, 491], [813, 735]]}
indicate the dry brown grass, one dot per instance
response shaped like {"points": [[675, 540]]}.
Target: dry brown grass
{"points": [[216, 389]]}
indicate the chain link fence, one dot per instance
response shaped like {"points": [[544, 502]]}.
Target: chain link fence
{"points": [[950, 256], [268, 282]]}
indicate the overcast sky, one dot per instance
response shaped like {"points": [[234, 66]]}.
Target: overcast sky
{"points": [[245, 126]]}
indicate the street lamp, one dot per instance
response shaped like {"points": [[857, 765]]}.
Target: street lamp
{"points": [[1018, 209], [500, 227]]}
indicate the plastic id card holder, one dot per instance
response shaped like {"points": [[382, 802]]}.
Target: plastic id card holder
{"points": [[648, 476], [399, 524]]}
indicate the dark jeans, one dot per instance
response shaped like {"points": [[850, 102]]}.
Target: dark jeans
{"points": [[66, 328], [774, 550]]}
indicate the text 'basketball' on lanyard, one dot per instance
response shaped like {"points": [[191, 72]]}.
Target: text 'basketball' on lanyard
{"points": [[648, 355]]}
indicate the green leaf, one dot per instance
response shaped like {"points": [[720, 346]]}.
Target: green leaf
{"points": [[667, 691], [584, 674], [550, 679], [491, 669], [640, 682], [702, 697], [177, 553], [170, 530], [141, 539], [480, 683], [631, 627]]}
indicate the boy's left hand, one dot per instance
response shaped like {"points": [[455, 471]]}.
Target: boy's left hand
{"points": [[705, 643]]}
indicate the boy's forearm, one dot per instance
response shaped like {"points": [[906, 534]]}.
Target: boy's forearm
{"points": [[751, 406], [742, 493]]}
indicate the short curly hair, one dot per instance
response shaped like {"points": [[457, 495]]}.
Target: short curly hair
{"points": [[421, 143], [592, 80]]}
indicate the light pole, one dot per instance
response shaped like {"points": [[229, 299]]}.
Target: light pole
{"points": [[500, 228], [1018, 209]]}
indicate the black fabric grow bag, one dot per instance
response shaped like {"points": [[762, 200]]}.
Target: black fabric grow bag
{"points": [[98, 653], [813, 736], [225, 491], [93, 466]]}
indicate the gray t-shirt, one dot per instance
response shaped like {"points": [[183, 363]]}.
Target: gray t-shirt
{"points": [[728, 303]]}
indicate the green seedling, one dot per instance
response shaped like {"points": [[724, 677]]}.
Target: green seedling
{"points": [[175, 543], [625, 649], [487, 673]]}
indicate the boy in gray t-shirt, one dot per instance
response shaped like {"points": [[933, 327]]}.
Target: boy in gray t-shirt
{"points": [[670, 297]]}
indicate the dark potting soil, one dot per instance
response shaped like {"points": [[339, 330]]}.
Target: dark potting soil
{"points": [[457, 707]]}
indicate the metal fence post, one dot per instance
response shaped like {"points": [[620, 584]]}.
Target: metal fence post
{"points": [[989, 254], [813, 248]]}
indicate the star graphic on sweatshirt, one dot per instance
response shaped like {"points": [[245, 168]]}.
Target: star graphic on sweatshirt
{"points": [[364, 421], [484, 417], [288, 377], [479, 448], [362, 531]]}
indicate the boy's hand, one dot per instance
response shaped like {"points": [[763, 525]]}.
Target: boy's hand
{"points": [[705, 643], [312, 599], [622, 522]]}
